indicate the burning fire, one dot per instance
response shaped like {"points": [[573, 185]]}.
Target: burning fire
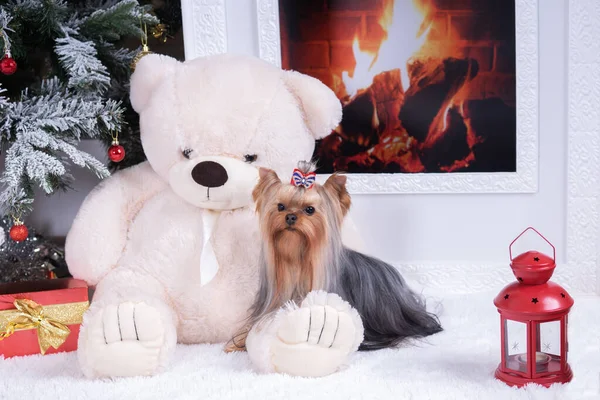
{"points": [[402, 47], [390, 54]]}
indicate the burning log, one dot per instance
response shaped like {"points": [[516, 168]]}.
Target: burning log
{"points": [[430, 93], [385, 129], [359, 163], [326, 152], [387, 86], [360, 124], [396, 152], [370, 134], [391, 145], [371, 113], [389, 96], [495, 123], [452, 145], [367, 162]]}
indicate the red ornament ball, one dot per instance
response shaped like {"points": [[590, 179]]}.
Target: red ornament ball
{"points": [[18, 233], [8, 65], [116, 153]]}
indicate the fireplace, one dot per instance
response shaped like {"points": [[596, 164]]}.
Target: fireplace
{"points": [[426, 85]]}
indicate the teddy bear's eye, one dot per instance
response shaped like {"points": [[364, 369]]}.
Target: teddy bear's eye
{"points": [[186, 153], [250, 158]]}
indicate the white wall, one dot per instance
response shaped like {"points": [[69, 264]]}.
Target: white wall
{"points": [[468, 228]]}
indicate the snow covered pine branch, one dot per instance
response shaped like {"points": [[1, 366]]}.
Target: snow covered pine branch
{"points": [[68, 97]]}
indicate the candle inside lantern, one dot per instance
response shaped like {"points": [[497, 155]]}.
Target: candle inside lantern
{"points": [[540, 358]]}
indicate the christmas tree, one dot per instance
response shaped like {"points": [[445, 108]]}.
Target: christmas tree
{"points": [[64, 77]]}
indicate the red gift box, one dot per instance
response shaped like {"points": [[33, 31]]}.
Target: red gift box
{"points": [[37, 316]]}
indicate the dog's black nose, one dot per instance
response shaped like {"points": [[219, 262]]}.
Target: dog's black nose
{"points": [[209, 174], [290, 219]]}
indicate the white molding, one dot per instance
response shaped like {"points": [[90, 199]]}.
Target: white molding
{"points": [[204, 27], [269, 44], [583, 146], [524, 180], [469, 277]]}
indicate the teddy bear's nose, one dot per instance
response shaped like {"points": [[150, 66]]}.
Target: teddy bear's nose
{"points": [[209, 174]]}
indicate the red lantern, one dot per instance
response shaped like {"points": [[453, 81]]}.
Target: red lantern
{"points": [[533, 322]]}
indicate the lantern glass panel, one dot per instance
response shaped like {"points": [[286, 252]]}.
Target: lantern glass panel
{"points": [[566, 341], [548, 347], [515, 346]]}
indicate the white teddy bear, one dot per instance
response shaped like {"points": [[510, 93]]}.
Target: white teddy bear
{"points": [[166, 268]]}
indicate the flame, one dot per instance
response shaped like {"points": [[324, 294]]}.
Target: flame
{"points": [[405, 31], [441, 121], [408, 22], [445, 117], [472, 138], [362, 76]]}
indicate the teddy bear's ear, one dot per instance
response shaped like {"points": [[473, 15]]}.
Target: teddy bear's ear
{"points": [[321, 108], [149, 71]]}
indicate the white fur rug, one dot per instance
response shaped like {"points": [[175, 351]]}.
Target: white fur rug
{"points": [[456, 364]]}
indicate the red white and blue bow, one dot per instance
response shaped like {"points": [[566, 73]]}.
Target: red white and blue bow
{"points": [[301, 179]]}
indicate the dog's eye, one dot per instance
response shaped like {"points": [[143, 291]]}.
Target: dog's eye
{"points": [[186, 153], [280, 207], [310, 210], [250, 158]]}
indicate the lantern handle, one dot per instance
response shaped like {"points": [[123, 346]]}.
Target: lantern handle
{"points": [[542, 236]]}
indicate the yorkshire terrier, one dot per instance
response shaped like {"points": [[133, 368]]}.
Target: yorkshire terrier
{"points": [[301, 226]]}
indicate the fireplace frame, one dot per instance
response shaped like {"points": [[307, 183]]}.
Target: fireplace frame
{"points": [[205, 25]]}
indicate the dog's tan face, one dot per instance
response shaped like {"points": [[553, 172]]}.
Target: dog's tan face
{"points": [[295, 218], [295, 224]]}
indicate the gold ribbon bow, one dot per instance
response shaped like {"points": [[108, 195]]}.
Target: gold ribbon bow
{"points": [[31, 315]]}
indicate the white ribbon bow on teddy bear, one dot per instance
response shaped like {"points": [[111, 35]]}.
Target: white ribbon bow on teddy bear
{"points": [[209, 266]]}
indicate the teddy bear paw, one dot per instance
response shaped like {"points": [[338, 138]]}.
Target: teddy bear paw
{"points": [[317, 338], [123, 339]]}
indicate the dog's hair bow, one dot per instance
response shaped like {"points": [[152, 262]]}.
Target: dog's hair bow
{"points": [[299, 178]]}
